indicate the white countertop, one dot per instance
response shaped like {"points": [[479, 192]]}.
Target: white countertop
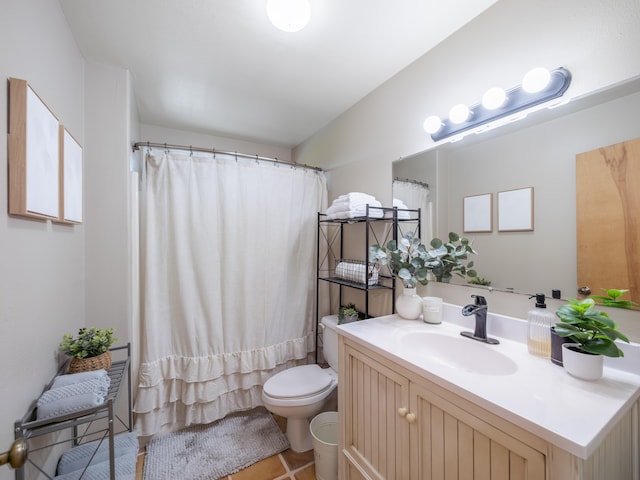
{"points": [[534, 394]]}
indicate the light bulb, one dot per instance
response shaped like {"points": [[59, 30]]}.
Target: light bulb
{"points": [[459, 113], [289, 15], [536, 80], [494, 98], [432, 124]]}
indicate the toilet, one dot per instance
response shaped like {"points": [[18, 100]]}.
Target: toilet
{"points": [[300, 393]]}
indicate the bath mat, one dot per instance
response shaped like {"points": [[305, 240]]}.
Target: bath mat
{"points": [[215, 450]]}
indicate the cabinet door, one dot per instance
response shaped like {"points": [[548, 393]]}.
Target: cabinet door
{"points": [[375, 435], [448, 442]]}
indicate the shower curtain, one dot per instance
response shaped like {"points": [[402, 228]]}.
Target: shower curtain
{"points": [[228, 279], [416, 195]]}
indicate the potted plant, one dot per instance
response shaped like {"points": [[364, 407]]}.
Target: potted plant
{"points": [[348, 314], [407, 260], [612, 299], [592, 335], [445, 259], [89, 350]]}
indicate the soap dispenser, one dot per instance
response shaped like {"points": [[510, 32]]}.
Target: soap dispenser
{"points": [[540, 323]]}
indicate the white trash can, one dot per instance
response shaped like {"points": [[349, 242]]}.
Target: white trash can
{"points": [[324, 430]]}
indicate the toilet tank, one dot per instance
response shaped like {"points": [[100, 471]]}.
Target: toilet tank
{"points": [[330, 340]]}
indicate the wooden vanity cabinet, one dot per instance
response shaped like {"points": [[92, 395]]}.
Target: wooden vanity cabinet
{"points": [[395, 425]]}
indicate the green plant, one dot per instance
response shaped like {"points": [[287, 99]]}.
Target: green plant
{"points": [[348, 313], [480, 281], [406, 258], [445, 259], [612, 299], [90, 342], [591, 329]]}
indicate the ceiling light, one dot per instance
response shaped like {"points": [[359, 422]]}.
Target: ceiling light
{"points": [[459, 113], [536, 80], [432, 124], [289, 15], [494, 98], [542, 88]]}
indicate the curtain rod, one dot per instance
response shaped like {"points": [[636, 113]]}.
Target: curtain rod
{"points": [[168, 146], [408, 180]]}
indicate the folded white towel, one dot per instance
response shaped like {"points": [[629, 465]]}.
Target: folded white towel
{"points": [[356, 196], [400, 205], [78, 457], [343, 207], [67, 405], [357, 272], [71, 378], [355, 213]]}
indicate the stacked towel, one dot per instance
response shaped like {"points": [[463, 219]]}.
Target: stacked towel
{"points": [[402, 209], [354, 204], [357, 272], [72, 393], [77, 458], [125, 469]]}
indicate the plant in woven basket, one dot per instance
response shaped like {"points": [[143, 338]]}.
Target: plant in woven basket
{"points": [[90, 349]]}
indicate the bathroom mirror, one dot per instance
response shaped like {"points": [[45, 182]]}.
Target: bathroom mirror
{"points": [[538, 152]]}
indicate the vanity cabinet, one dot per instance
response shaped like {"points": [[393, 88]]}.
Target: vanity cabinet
{"points": [[396, 424]]}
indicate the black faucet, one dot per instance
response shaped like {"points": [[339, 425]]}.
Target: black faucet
{"points": [[479, 309]]}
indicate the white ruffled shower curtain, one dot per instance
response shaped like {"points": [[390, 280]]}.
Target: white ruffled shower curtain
{"points": [[228, 282]]}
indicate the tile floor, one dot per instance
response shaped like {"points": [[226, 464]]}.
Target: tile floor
{"points": [[287, 465]]}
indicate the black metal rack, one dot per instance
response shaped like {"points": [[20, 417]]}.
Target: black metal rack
{"points": [[378, 230], [29, 427]]}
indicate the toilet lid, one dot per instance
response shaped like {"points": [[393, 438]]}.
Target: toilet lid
{"points": [[299, 381]]}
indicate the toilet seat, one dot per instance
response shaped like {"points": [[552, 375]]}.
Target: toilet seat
{"points": [[298, 382]]}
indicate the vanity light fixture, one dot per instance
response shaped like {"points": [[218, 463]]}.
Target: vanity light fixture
{"points": [[289, 15], [539, 86]]}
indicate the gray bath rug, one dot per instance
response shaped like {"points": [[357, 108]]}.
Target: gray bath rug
{"points": [[213, 451]]}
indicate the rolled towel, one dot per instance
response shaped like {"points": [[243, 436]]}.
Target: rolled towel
{"points": [[78, 457], [71, 378], [100, 387], [125, 469], [67, 405], [357, 272]]}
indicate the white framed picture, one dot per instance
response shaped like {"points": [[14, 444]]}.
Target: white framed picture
{"points": [[477, 213], [515, 210]]}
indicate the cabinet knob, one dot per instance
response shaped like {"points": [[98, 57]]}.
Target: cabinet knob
{"points": [[411, 417], [402, 412]]}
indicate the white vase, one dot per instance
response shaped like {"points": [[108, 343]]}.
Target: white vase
{"points": [[408, 304], [585, 366]]}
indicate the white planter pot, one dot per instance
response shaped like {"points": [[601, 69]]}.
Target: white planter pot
{"points": [[581, 365], [408, 304]]}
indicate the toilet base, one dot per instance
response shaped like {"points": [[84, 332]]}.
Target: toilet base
{"points": [[299, 435]]}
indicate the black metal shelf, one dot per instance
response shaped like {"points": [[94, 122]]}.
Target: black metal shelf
{"points": [[331, 233]]}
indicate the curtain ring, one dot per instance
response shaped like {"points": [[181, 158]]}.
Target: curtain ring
{"points": [[166, 150], [190, 151]]}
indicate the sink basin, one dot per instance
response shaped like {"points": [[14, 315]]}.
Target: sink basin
{"points": [[459, 352]]}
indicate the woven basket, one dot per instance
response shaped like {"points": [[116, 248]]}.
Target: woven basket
{"points": [[103, 360]]}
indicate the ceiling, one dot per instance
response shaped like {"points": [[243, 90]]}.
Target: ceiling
{"points": [[219, 67]]}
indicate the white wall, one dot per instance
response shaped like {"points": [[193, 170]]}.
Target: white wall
{"points": [[42, 266], [596, 40]]}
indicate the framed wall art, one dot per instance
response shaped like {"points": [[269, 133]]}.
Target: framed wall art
{"points": [[70, 178], [34, 149], [515, 210], [477, 213]]}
